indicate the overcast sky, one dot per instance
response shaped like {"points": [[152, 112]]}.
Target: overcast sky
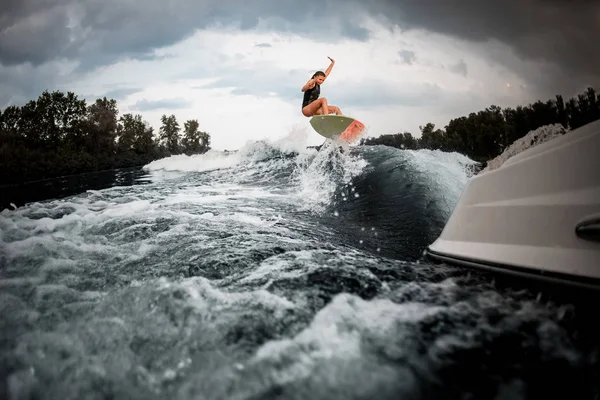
{"points": [[238, 65]]}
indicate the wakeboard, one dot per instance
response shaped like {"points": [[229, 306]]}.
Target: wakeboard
{"points": [[337, 127]]}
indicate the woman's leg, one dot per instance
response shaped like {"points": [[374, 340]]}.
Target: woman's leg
{"points": [[316, 108]]}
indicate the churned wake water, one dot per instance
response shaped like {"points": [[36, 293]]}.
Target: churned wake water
{"points": [[272, 273]]}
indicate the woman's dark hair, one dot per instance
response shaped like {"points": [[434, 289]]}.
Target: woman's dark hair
{"points": [[318, 73]]}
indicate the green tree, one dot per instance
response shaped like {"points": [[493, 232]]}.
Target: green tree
{"points": [[143, 142], [46, 121], [130, 127], [485, 134], [430, 138], [101, 126], [58, 134], [194, 141], [169, 134]]}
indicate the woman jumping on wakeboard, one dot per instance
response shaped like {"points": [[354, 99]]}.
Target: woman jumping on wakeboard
{"points": [[312, 104]]}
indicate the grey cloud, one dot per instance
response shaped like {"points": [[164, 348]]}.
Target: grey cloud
{"points": [[440, 101], [119, 94], [19, 84], [16, 10], [326, 20], [286, 84], [101, 33], [459, 68], [95, 33], [128, 29], [152, 57], [351, 30], [116, 94], [263, 45], [98, 33], [563, 33], [407, 56], [545, 81], [381, 93], [148, 105], [262, 82], [35, 37]]}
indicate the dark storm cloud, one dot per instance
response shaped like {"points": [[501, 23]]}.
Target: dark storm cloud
{"points": [[29, 34], [565, 33], [171, 104], [556, 30], [102, 32]]}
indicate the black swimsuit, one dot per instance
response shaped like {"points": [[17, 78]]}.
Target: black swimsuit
{"points": [[311, 95]]}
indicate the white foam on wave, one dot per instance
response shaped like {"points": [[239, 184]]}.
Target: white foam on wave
{"points": [[109, 224], [294, 142], [339, 339], [531, 139], [315, 175], [208, 161], [184, 318], [446, 174], [298, 263], [218, 193], [319, 176]]}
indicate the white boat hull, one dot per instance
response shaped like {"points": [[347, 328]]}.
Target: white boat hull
{"points": [[538, 214]]}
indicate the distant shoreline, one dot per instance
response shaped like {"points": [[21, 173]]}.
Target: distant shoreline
{"points": [[59, 135]]}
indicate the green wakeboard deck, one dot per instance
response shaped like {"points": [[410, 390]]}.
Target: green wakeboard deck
{"points": [[330, 126]]}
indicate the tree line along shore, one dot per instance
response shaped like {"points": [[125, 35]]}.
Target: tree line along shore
{"points": [[59, 134], [485, 134]]}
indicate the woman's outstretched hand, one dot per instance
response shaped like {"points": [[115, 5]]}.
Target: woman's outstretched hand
{"points": [[332, 60]]}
